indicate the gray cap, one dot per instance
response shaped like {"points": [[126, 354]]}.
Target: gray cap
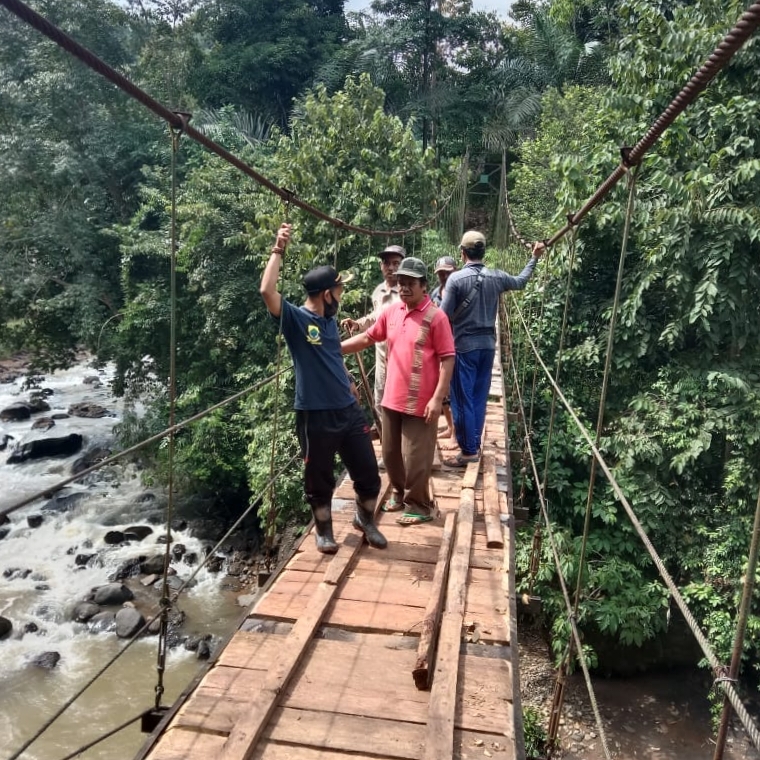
{"points": [[393, 250], [412, 267]]}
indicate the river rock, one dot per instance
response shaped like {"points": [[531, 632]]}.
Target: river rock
{"points": [[153, 565], [47, 447], [46, 660], [128, 622], [43, 423], [103, 622], [16, 412], [83, 611], [114, 537], [31, 628], [92, 380], [4, 531], [89, 458], [5, 627], [59, 416], [204, 650], [82, 560], [137, 532], [64, 502], [112, 594], [38, 404], [127, 569], [5, 439], [34, 521], [88, 409], [178, 551]]}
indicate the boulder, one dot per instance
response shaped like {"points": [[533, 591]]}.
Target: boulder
{"points": [[4, 531], [5, 627], [5, 439], [178, 551], [47, 447], [112, 594], [128, 622], [16, 412], [34, 521], [103, 622], [83, 611], [46, 660], [82, 560], [89, 458], [137, 532], [153, 565], [38, 404], [128, 569], [114, 537], [43, 423], [88, 409], [59, 416], [204, 650], [31, 628], [64, 502]]}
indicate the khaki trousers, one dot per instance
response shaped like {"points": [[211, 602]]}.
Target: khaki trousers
{"points": [[408, 451]]}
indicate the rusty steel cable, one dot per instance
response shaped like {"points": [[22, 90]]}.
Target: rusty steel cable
{"points": [[180, 121]]}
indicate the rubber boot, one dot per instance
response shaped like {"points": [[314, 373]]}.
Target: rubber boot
{"points": [[324, 532], [364, 520]]}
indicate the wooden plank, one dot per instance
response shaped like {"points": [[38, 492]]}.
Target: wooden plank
{"points": [[179, 744], [429, 631], [275, 751], [375, 617], [440, 729], [247, 649], [491, 503], [242, 739], [484, 694], [392, 588], [361, 678], [470, 477], [350, 733], [469, 745]]}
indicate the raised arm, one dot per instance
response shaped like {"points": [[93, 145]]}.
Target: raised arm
{"points": [[268, 288]]}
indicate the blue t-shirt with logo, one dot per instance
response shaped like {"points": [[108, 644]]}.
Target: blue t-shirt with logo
{"points": [[314, 343]]}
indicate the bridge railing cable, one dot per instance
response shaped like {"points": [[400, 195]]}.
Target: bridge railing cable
{"points": [[717, 667], [180, 121], [570, 607]]}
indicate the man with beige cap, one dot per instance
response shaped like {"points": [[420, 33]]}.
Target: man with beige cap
{"points": [[385, 294], [470, 300]]}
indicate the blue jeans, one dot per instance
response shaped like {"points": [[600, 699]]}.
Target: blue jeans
{"points": [[469, 396]]}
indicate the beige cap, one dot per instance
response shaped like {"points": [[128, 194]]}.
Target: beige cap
{"points": [[472, 238]]}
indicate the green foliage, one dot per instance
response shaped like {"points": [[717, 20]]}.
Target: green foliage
{"points": [[681, 417], [535, 734]]}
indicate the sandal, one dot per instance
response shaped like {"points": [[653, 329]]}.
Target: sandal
{"points": [[394, 504], [414, 518], [460, 460]]}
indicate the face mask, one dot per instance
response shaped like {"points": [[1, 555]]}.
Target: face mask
{"points": [[331, 309]]}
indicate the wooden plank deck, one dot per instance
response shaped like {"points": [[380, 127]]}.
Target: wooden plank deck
{"points": [[321, 666]]}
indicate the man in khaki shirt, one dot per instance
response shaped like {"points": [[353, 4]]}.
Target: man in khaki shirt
{"points": [[385, 294]]}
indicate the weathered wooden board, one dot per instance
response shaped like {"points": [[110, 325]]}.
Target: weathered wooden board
{"points": [[247, 649], [179, 744], [484, 694], [366, 616], [389, 589], [358, 678], [387, 738], [275, 751], [469, 745]]}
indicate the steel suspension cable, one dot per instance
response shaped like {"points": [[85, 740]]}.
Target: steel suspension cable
{"points": [[50, 30], [717, 668], [164, 601], [571, 613], [559, 693], [741, 630], [49, 722]]}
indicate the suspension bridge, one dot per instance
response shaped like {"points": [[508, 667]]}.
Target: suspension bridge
{"points": [[407, 653]]}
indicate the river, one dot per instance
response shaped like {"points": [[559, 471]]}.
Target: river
{"points": [[41, 583]]}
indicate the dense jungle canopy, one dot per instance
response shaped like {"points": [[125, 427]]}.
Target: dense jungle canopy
{"points": [[367, 116]]}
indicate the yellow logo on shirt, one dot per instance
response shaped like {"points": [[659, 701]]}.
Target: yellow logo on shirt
{"points": [[313, 335]]}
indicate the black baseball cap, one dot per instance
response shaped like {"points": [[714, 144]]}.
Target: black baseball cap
{"points": [[323, 278]]}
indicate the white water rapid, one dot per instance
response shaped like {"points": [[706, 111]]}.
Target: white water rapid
{"points": [[40, 582]]}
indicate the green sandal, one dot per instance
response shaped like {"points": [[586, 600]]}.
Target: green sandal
{"points": [[413, 518], [394, 504]]}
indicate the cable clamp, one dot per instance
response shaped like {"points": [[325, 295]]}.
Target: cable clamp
{"points": [[571, 219], [625, 157]]}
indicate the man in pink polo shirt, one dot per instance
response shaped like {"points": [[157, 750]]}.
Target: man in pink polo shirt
{"points": [[420, 362]]}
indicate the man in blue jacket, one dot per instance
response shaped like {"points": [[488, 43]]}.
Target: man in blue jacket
{"points": [[471, 299]]}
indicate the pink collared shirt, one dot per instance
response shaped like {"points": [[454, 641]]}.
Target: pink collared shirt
{"points": [[417, 339]]}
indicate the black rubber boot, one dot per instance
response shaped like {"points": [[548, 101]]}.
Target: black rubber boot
{"points": [[364, 520], [324, 532]]}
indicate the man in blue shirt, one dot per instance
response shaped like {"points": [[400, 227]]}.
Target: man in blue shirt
{"points": [[471, 299], [328, 418]]}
